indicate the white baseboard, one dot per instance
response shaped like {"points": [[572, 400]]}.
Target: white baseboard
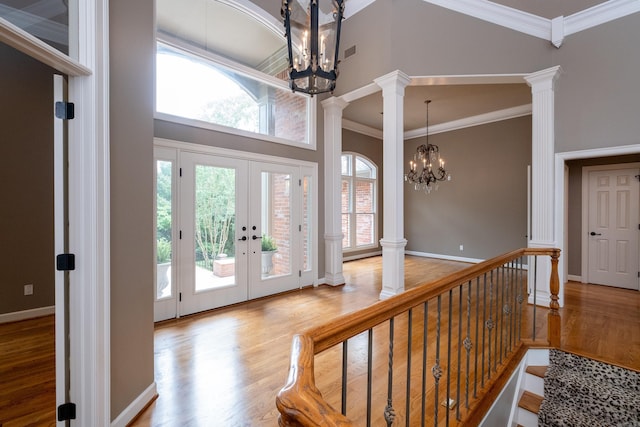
{"points": [[447, 257], [574, 278], [27, 314], [361, 256], [135, 407]]}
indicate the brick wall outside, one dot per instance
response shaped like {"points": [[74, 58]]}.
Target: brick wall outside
{"points": [[290, 116], [364, 213]]}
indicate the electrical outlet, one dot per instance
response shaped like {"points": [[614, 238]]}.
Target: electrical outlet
{"points": [[462, 247], [28, 289]]}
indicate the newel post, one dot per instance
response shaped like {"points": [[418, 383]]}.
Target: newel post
{"points": [[554, 320]]}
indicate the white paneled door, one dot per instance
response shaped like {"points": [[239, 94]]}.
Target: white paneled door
{"points": [[228, 230], [613, 227]]}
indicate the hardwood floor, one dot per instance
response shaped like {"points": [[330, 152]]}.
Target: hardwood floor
{"points": [[224, 368]]}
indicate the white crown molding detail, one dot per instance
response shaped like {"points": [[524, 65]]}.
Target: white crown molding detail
{"points": [[480, 119], [554, 30], [500, 15], [600, 14], [362, 129]]}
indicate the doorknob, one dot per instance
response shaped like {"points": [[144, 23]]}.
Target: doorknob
{"points": [[593, 233], [243, 238], [254, 237]]}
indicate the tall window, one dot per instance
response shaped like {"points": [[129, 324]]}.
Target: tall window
{"points": [[359, 207]]}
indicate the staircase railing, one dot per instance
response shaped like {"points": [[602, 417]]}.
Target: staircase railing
{"points": [[440, 348]]}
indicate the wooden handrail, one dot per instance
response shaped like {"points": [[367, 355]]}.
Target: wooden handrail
{"points": [[300, 402]]}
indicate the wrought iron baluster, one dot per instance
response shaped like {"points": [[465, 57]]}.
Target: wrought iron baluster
{"points": [[535, 293], [484, 330], [345, 355], [467, 344], [449, 356], [490, 324], [425, 323], [436, 371], [409, 335], [389, 412], [460, 291], [495, 335], [502, 314], [520, 297], [477, 340], [369, 375]]}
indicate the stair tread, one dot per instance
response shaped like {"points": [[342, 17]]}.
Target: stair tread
{"points": [[538, 371], [530, 401]]}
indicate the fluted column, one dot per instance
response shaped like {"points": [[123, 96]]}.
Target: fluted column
{"points": [[542, 174], [393, 241], [332, 189]]}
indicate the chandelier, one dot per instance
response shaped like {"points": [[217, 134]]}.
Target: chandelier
{"points": [[312, 28], [428, 158]]}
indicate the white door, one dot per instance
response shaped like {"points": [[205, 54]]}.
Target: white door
{"points": [[213, 244], [613, 227], [60, 246]]}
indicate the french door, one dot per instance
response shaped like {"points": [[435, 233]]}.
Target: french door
{"points": [[242, 230]]}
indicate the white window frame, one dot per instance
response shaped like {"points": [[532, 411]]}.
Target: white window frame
{"points": [[251, 73], [353, 179]]}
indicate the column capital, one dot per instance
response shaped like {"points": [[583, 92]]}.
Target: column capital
{"points": [[334, 103], [543, 79], [394, 80]]}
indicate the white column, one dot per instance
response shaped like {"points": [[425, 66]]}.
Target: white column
{"points": [[393, 241], [542, 175], [332, 189]]}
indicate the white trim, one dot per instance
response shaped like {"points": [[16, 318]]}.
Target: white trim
{"points": [[39, 50], [445, 257], [259, 14], [89, 208], [500, 15], [361, 129], [17, 316], [361, 256], [599, 14], [574, 278], [135, 407], [480, 119]]}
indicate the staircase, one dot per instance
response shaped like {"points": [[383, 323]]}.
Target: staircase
{"points": [[531, 390]]}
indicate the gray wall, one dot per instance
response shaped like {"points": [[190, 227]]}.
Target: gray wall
{"points": [[26, 182], [371, 148], [132, 58], [484, 206]]}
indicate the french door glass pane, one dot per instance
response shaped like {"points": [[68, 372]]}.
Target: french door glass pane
{"points": [[306, 223], [215, 213], [346, 227], [364, 229], [276, 224], [164, 226]]}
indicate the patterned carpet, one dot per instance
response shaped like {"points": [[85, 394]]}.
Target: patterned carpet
{"points": [[583, 392]]}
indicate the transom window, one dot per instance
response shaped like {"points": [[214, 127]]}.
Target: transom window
{"points": [[197, 87], [359, 207]]}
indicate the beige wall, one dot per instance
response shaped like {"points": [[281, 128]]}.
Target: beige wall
{"points": [[26, 182], [132, 260], [484, 206]]}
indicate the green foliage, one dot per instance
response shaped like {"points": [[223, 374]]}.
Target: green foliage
{"points": [[163, 200], [268, 244], [163, 251]]}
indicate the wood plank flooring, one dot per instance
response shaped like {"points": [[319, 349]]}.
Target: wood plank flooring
{"points": [[224, 368]]}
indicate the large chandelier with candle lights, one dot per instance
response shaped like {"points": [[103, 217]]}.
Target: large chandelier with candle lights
{"points": [[427, 167], [312, 28]]}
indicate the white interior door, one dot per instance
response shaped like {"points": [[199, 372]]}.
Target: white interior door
{"points": [[60, 247], [613, 222], [213, 241]]}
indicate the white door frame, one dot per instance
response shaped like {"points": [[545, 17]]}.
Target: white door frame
{"points": [[585, 209], [561, 194]]}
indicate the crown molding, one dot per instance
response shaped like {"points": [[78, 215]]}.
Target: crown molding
{"points": [[553, 30], [362, 129], [480, 119], [354, 6]]}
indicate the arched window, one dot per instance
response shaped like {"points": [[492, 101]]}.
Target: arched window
{"points": [[359, 202]]}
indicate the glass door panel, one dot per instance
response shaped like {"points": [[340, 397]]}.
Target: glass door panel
{"points": [[213, 232]]}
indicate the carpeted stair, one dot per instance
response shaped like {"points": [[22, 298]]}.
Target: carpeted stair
{"points": [[583, 392]]}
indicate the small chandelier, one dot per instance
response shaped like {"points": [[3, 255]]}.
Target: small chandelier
{"points": [[428, 157], [312, 28]]}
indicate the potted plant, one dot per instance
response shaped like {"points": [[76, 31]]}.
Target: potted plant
{"points": [[269, 248]]}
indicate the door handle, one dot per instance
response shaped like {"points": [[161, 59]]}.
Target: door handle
{"points": [[243, 238], [593, 233], [254, 237]]}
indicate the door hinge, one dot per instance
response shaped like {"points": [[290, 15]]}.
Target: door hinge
{"points": [[180, 296], [66, 262], [180, 235], [299, 273], [67, 411], [65, 110], [300, 227], [299, 183], [180, 171]]}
